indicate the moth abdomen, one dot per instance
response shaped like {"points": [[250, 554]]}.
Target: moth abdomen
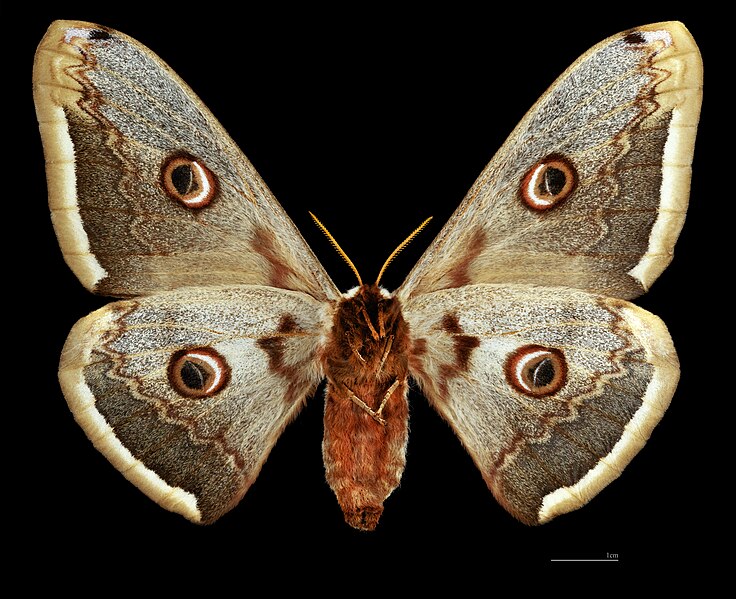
{"points": [[364, 448]]}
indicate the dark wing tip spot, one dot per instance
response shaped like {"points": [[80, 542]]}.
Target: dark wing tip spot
{"points": [[635, 38], [98, 34]]}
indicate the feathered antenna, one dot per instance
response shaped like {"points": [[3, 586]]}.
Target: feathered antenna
{"points": [[393, 255], [402, 245], [337, 247]]}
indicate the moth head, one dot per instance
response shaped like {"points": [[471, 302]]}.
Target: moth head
{"points": [[536, 371]]}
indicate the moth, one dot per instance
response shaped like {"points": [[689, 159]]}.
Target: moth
{"points": [[515, 323]]}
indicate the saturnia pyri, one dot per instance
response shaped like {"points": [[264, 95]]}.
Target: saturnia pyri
{"points": [[515, 323]]}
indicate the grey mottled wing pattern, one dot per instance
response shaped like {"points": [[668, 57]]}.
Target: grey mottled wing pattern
{"points": [[590, 190], [522, 338], [611, 374], [147, 190], [186, 392]]}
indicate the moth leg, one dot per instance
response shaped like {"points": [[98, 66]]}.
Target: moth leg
{"points": [[386, 352], [360, 403], [381, 328], [375, 414], [357, 353], [390, 391], [374, 333]]}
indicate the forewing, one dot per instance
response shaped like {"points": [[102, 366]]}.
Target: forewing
{"points": [[552, 391], [590, 190], [186, 392], [147, 191]]}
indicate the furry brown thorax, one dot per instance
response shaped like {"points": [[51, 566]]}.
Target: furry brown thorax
{"points": [[369, 340]]}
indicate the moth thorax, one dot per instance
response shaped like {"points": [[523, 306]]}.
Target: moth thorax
{"points": [[369, 337]]}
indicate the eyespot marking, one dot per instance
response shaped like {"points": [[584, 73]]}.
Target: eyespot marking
{"points": [[198, 372], [548, 183], [187, 180], [536, 370]]}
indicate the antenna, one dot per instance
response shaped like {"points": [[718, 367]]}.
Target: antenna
{"points": [[402, 245], [393, 255], [337, 247]]}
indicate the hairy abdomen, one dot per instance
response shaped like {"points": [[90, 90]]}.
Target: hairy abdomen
{"points": [[364, 459]]}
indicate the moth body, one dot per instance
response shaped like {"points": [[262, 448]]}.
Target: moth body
{"points": [[366, 409]]}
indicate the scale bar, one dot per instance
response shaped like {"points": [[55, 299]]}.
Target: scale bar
{"points": [[608, 559]]}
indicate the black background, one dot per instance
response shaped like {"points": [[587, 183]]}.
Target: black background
{"points": [[373, 119]]}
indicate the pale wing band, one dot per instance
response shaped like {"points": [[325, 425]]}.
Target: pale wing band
{"points": [[53, 89], [654, 337], [77, 353], [681, 93]]}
